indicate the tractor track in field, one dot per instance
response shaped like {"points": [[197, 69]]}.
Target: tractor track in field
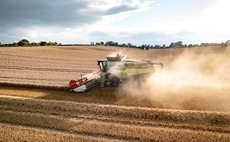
{"points": [[12, 132], [42, 69], [37, 86], [97, 128], [33, 57], [24, 114], [115, 122], [27, 78]]}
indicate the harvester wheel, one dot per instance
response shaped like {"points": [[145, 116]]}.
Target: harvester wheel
{"points": [[115, 82]]}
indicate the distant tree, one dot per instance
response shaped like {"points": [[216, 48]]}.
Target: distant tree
{"points": [[124, 45], [172, 45], [129, 45], [227, 43], [108, 43], [23, 42], [98, 43], [15, 44], [49, 43], [91, 43], [55, 43], [157, 46], [222, 44], [43, 43], [34, 44], [115, 44], [177, 44], [111, 43], [102, 43], [190, 45], [196, 45], [204, 44], [5, 45], [145, 47]]}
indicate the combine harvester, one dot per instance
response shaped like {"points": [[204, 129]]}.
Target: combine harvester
{"points": [[113, 71]]}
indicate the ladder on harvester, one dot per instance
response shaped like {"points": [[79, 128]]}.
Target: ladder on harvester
{"points": [[102, 79]]}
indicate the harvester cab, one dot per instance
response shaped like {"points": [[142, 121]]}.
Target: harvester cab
{"points": [[110, 68], [113, 71]]}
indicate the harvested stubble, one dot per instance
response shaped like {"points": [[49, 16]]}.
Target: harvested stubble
{"points": [[114, 97], [112, 130], [95, 95], [15, 133], [121, 131], [215, 119]]}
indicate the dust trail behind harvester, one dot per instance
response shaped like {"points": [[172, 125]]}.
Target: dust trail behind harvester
{"points": [[196, 79]]}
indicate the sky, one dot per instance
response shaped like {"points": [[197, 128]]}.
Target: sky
{"points": [[124, 21]]}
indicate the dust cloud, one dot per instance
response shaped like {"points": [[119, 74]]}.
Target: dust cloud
{"points": [[196, 79], [114, 54]]}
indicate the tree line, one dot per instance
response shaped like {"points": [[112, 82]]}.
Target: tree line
{"points": [[25, 42], [178, 44]]}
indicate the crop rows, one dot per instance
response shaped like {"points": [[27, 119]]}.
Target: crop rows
{"points": [[117, 122], [11, 133], [74, 108], [108, 129]]}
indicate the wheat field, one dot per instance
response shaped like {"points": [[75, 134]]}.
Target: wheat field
{"points": [[35, 103]]}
